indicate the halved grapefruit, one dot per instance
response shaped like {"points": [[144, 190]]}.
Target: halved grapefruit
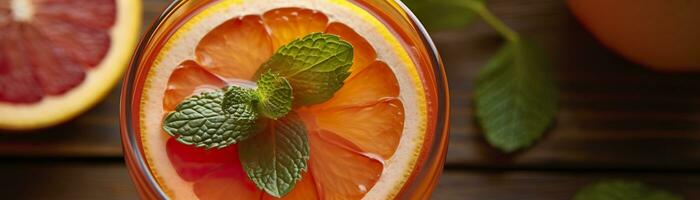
{"points": [[365, 141], [60, 57]]}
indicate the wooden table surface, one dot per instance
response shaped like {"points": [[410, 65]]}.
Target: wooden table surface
{"points": [[617, 120]]}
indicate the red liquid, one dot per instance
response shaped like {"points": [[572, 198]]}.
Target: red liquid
{"points": [[209, 170]]}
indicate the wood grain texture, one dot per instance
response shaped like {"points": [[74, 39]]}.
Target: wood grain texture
{"points": [[100, 180], [617, 120], [94, 134], [614, 114], [66, 180], [523, 185]]}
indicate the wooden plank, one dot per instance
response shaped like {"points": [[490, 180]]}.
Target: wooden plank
{"points": [[614, 114], [95, 133], [109, 180], [508, 185], [69, 180]]}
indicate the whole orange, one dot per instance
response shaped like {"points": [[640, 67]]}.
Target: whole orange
{"points": [[661, 34]]}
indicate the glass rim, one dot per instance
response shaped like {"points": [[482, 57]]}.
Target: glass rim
{"points": [[130, 143]]}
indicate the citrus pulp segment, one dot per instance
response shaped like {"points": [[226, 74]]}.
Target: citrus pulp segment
{"points": [[185, 79], [78, 50], [228, 40], [242, 44]]}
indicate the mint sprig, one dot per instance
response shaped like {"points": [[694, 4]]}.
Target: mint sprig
{"points": [[203, 120], [273, 144], [515, 96], [315, 65], [623, 189], [275, 95], [276, 158]]}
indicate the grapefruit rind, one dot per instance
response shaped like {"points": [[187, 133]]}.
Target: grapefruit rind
{"points": [[53, 110], [180, 46]]}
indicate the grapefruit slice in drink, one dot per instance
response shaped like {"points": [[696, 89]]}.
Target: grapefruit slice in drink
{"points": [[58, 58], [365, 142]]}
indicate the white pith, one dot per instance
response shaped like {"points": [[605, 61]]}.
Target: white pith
{"points": [[180, 47], [22, 10]]}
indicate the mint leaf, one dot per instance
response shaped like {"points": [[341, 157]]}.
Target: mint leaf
{"points": [[315, 66], [274, 95], [275, 158], [203, 121], [237, 98], [442, 14], [623, 190], [515, 96]]}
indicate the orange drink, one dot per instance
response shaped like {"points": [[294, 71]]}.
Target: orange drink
{"points": [[363, 104]]}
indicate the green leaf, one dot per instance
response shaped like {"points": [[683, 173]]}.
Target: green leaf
{"points": [[237, 99], [275, 158], [623, 190], [203, 121], [443, 14], [516, 98], [274, 95], [315, 66]]}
